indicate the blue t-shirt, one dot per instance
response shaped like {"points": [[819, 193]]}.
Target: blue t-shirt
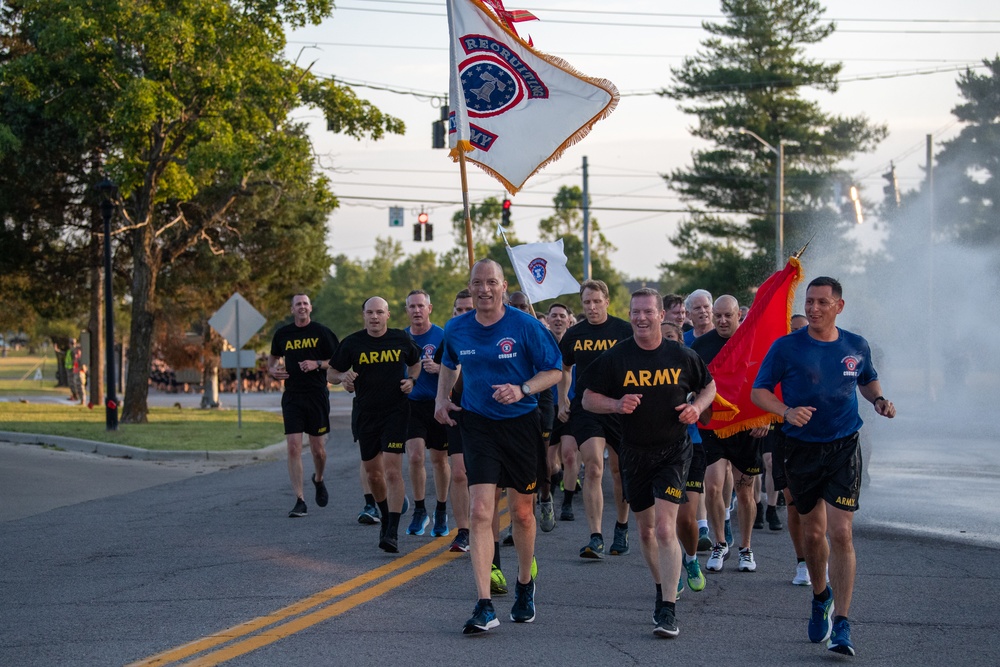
{"points": [[689, 337], [427, 383], [821, 375], [511, 351]]}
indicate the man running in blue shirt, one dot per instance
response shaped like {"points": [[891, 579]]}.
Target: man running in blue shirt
{"points": [[505, 357], [820, 369]]}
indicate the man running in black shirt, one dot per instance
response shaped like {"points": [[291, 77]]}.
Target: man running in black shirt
{"points": [[306, 347], [383, 365], [646, 380]]}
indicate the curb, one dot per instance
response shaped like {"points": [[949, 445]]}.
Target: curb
{"points": [[269, 453]]}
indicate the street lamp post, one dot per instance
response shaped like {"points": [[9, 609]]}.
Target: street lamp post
{"points": [[779, 188], [107, 188]]}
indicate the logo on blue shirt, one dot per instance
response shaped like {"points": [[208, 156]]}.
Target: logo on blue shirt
{"points": [[506, 346]]}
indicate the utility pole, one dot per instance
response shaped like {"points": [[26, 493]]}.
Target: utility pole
{"points": [[586, 224]]}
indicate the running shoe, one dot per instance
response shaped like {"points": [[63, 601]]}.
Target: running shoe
{"points": [[704, 541], [419, 523], [619, 546], [680, 589], [720, 552], [695, 577], [484, 618], [322, 497], [461, 543], [299, 510], [820, 622], [746, 561], [548, 516], [801, 577], [498, 582], [534, 568], [758, 520], [389, 543], [440, 528], [773, 520], [666, 626], [729, 533], [508, 537], [840, 638], [370, 516], [523, 610], [566, 514], [406, 506], [594, 548]]}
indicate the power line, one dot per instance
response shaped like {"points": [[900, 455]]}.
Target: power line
{"points": [[455, 202], [621, 24]]}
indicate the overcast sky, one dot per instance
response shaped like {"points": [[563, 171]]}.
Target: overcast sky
{"points": [[402, 45]]}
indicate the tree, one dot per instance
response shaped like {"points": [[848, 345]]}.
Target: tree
{"points": [[191, 105], [969, 165], [749, 75]]}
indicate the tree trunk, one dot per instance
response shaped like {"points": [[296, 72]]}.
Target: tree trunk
{"points": [[140, 353], [96, 324]]}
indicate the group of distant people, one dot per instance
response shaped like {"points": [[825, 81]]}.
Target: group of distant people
{"points": [[163, 377], [510, 401]]}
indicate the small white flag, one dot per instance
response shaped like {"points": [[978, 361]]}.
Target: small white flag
{"points": [[541, 270]]}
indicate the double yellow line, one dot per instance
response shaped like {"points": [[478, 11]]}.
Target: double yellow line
{"points": [[264, 630]]}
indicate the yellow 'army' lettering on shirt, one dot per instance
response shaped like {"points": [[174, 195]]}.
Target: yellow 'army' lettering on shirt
{"points": [[379, 357], [593, 345], [301, 344], [645, 378]]}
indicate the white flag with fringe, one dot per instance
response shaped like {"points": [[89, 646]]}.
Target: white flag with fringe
{"points": [[514, 109], [541, 270]]}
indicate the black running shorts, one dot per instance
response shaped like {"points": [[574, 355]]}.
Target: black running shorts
{"points": [[739, 449], [696, 473], [648, 474], [382, 430], [422, 424], [306, 412], [503, 452], [585, 425], [824, 470]]}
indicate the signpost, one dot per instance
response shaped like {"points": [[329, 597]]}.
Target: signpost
{"points": [[237, 321], [395, 216]]}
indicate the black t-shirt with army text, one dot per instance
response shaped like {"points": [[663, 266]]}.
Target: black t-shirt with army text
{"points": [[708, 345], [380, 362], [583, 342], [312, 342], [663, 377]]}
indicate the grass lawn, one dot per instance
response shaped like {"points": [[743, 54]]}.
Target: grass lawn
{"points": [[17, 375], [168, 428]]}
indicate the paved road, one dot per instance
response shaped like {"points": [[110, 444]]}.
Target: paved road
{"points": [[131, 572]]}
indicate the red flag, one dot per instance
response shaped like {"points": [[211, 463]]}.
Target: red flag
{"points": [[735, 367]]}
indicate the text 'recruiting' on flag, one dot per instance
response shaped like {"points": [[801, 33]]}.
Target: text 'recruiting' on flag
{"points": [[513, 109]]}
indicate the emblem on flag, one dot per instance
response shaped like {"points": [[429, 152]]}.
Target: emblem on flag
{"points": [[537, 268]]}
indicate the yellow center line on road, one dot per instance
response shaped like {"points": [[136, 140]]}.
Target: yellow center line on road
{"points": [[316, 600]]}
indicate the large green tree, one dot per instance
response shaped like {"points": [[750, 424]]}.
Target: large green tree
{"points": [[750, 73], [968, 166], [189, 103]]}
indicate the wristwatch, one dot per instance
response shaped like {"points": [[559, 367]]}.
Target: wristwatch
{"points": [[525, 389]]}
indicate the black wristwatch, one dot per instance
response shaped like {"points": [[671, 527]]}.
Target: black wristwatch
{"points": [[525, 389]]}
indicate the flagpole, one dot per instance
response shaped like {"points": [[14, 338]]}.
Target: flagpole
{"points": [[465, 208]]}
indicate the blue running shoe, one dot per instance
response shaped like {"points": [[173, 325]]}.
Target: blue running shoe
{"points": [[840, 638], [370, 515], [484, 618], [680, 589], [593, 549], [419, 523], [821, 620], [461, 543], [704, 541], [695, 577], [523, 610], [406, 506], [440, 528]]}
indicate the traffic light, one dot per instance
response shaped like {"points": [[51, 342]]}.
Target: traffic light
{"points": [[423, 230], [417, 233], [428, 232], [505, 219], [439, 129], [891, 189]]}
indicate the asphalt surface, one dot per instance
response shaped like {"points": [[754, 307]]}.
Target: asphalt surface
{"points": [[108, 561]]}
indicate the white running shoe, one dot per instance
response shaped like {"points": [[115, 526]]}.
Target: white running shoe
{"points": [[747, 563], [720, 552], [801, 575]]}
